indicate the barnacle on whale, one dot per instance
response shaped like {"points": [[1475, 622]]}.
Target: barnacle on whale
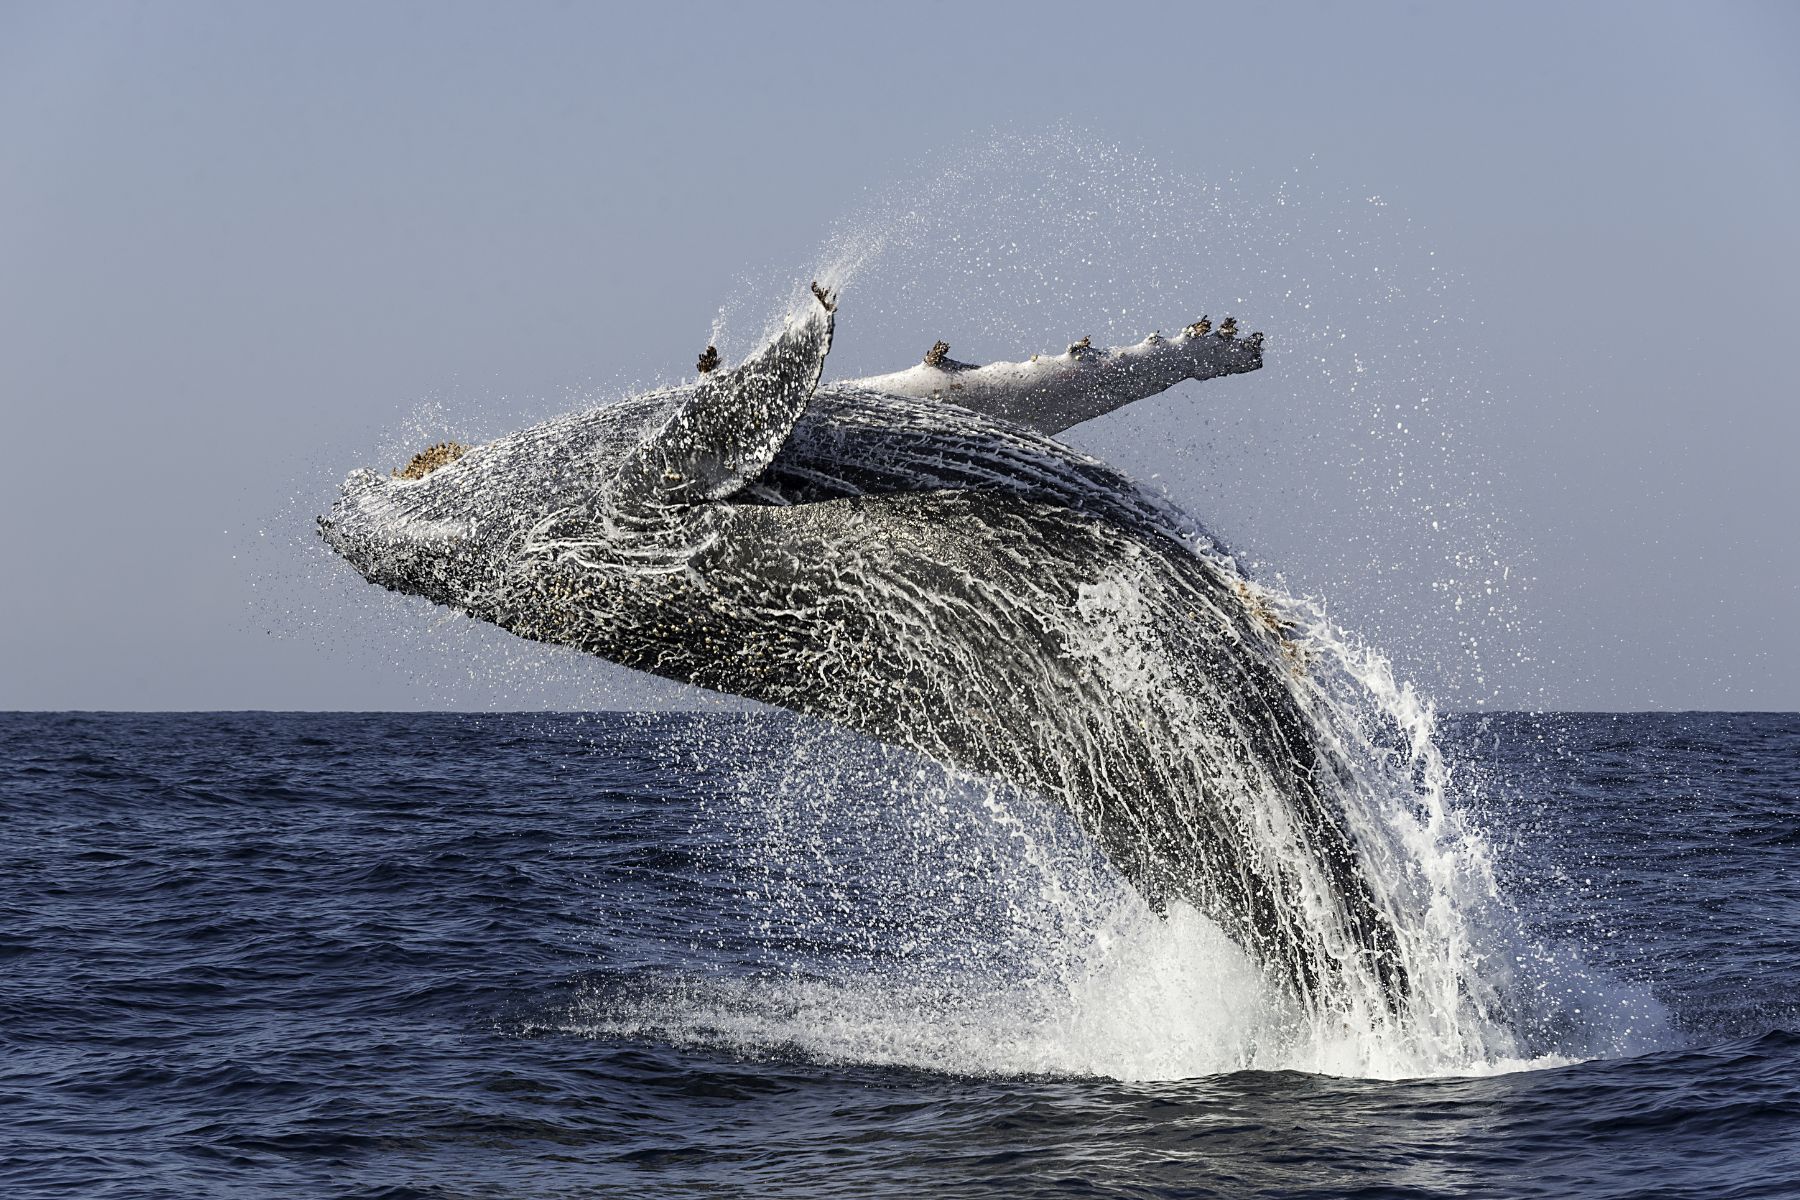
{"points": [[1281, 627], [430, 459]]}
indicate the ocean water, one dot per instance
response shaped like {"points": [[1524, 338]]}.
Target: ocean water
{"points": [[712, 954]]}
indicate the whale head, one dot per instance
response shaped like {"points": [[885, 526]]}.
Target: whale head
{"points": [[447, 526], [622, 485]]}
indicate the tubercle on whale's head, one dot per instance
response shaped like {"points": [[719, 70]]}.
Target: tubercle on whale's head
{"points": [[430, 459]]}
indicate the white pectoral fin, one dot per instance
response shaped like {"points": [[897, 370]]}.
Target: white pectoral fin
{"points": [[731, 424], [1053, 392]]}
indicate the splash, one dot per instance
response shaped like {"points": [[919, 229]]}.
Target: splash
{"points": [[906, 915], [1067, 970]]}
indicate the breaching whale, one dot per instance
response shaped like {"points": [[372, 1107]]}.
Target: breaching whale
{"points": [[915, 557]]}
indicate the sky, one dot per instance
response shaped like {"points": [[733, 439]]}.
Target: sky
{"points": [[1534, 269]]}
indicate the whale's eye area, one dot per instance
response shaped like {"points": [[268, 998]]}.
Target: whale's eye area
{"points": [[430, 459]]}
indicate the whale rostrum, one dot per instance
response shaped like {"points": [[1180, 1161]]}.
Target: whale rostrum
{"points": [[914, 556]]}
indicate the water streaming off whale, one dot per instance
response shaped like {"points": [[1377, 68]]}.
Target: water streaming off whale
{"points": [[935, 919]]}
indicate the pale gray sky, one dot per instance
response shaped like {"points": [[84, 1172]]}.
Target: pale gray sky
{"points": [[244, 248]]}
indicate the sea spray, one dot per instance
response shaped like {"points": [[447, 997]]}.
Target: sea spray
{"points": [[916, 916]]}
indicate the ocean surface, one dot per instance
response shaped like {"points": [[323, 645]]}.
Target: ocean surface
{"points": [[722, 954]]}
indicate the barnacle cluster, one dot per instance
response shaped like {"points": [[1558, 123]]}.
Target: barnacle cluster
{"points": [[430, 459]]}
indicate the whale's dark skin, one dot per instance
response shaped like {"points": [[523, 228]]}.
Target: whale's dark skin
{"points": [[933, 577]]}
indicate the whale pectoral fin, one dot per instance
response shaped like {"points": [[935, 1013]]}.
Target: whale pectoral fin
{"points": [[1055, 392], [731, 424]]}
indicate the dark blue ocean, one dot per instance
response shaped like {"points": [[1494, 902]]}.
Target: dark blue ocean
{"points": [[544, 956]]}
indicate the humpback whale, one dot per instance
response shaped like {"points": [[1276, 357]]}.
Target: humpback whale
{"points": [[916, 557]]}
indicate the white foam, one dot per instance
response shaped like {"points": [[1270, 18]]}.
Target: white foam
{"points": [[1154, 999], [908, 915]]}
